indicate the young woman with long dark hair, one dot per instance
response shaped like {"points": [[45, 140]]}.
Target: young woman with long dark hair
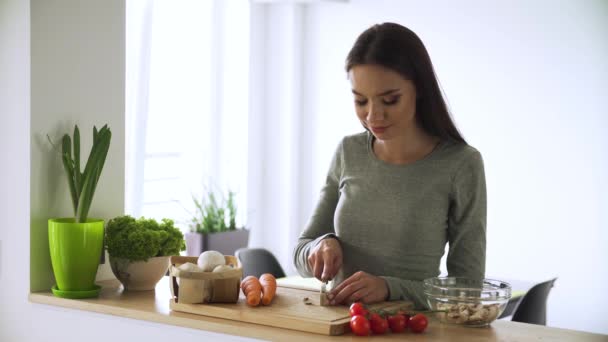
{"points": [[398, 192]]}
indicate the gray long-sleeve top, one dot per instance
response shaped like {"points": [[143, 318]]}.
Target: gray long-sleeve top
{"points": [[394, 221]]}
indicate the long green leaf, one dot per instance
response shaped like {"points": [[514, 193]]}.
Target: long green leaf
{"points": [[93, 172], [66, 145], [77, 174], [106, 138], [103, 145], [199, 205], [68, 165], [90, 183], [88, 179], [86, 198], [96, 137], [231, 210], [69, 171]]}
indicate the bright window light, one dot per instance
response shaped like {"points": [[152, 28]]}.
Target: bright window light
{"points": [[187, 105]]}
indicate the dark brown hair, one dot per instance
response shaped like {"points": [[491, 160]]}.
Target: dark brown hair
{"points": [[398, 48]]}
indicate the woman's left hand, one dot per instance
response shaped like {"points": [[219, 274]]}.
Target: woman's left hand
{"points": [[360, 287]]}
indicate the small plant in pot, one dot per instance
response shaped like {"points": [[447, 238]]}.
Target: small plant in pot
{"points": [[140, 250], [213, 226], [76, 243]]}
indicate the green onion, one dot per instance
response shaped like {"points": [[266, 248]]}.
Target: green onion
{"points": [[83, 184]]}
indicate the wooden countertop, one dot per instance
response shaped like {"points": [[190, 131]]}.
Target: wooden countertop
{"points": [[153, 306]]}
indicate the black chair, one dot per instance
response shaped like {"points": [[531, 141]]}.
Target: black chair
{"points": [[533, 306], [257, 261]]}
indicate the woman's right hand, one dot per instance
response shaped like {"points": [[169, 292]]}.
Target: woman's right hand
{"points": [[326, 259]]}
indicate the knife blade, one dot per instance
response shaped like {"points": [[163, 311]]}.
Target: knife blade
{"points": [[323, 287]]}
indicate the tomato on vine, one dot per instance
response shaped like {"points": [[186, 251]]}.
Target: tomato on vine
{"points": [[398, 322], [418, 323], [379, 324], [357, 308], [360, 325]]}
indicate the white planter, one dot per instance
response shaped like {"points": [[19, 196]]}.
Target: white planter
{"points": [[139, 275]]}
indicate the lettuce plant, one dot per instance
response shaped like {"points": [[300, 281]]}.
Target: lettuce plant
{"points": [[141, 239]]}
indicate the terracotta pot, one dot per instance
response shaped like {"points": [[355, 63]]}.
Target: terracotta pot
{"points": [[139, 275]]}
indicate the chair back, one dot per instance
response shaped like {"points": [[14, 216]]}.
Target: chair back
{"points": [[533, 306], [257, 261]]}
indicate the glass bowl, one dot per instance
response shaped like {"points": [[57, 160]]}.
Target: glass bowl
{"points": [[466, 301]]}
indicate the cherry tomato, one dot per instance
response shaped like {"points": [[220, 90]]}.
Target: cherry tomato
{"points": [[406, 315], [379, 324], [397, 323], [418, 323], [360, 325], [357, 309]]}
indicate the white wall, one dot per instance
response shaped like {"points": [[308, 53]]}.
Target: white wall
{"points": [[14, 174], [84, 85], [527, 84], [78, 71]]}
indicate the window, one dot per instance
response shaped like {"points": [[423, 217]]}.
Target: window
{"points": [[187, 105]]}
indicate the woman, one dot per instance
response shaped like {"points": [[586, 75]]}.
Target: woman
{"points": [[397, 193]]}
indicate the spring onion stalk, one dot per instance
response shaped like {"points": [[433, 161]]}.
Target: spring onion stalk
{"points": [[83, 184]]}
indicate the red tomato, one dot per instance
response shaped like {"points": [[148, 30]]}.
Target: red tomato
{"points": [[418, 323], [359, 325], [357, 309], [397, 323], [401, 312], [379, 324]]}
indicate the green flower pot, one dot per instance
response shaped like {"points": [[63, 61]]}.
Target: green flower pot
{"points": [[75, 252]]}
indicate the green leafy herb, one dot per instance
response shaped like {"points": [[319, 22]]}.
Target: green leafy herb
{"points": [[210, 215], [141, 239]]}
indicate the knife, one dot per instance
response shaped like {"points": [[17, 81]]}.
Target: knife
{"points": [[323, 286]]}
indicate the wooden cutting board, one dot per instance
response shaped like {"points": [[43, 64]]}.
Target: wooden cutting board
{"points": [[288, 310]]}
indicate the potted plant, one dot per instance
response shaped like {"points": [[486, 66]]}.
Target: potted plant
{"points": [[140, 250], [210, 229], [76, 243]]}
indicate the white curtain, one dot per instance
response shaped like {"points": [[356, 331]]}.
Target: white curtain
{"points": [[187, 104], [291, 139], [279, 134]]}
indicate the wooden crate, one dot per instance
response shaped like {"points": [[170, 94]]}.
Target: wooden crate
{"points": [[205, 287]]}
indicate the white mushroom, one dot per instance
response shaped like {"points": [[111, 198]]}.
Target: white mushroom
{"points": [[208, 260], [189, 267], [222, 268]]}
